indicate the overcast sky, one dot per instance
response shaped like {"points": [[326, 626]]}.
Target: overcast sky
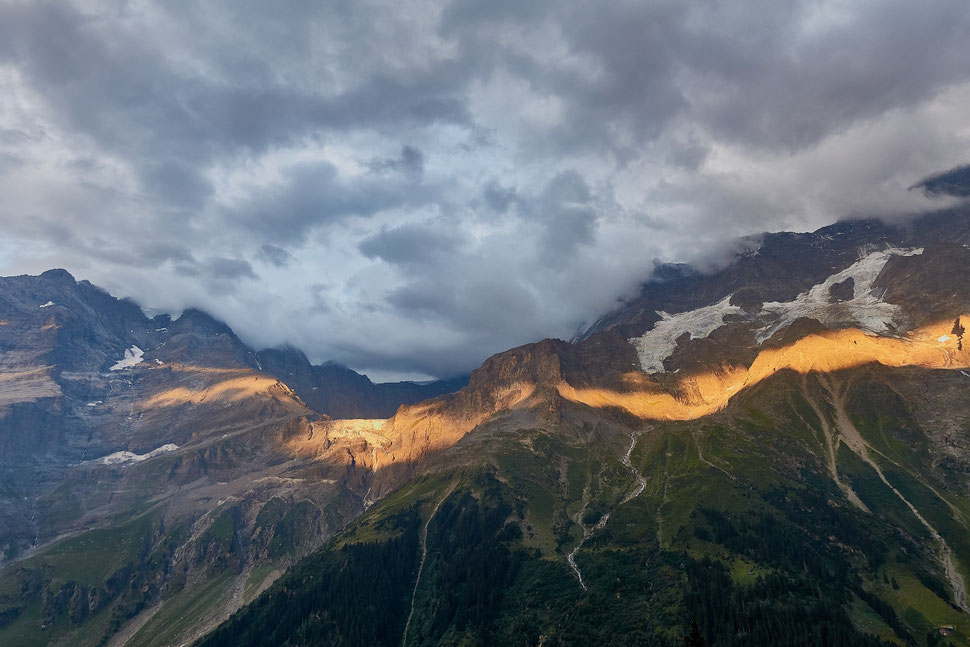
{"points": [[409, 187]]}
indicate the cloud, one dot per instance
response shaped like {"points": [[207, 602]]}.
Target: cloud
{"points": [[275, 254], [411, 162], [411, 243], [566, 210], [177, 184], [313, 194], [499, 198], [434, 183], [229, 269]]}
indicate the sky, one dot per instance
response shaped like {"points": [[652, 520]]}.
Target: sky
{"points": [[407, 187]]}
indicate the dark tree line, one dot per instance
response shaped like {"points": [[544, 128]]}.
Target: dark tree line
{"points": [[354, 596]]}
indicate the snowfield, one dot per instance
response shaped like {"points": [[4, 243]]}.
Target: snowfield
{"points": [[119, 458], [865, 310], [658, 343], [132, 357]]}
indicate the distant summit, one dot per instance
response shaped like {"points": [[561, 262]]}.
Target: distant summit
{"points": [[955, 182]]}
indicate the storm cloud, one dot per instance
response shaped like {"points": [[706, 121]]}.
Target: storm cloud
{"points": [[408, 188]]}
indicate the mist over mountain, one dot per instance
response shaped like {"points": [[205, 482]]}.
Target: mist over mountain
{"points": [[435, 183], [955, 182], [778, 449], [444, 322], [121, 440], [778, 456]]}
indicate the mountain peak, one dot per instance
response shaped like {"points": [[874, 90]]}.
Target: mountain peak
{"points": [[198, 317], [954, 182], [58, 274]]}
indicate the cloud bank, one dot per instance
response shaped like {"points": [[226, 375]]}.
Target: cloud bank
{"points": [[408, 188]]}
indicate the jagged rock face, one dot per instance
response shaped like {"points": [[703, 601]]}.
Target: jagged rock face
{"points": [[882, 279], [81, 368], [955, 182], [85, 375], [930, 287], [145, 446], [780, 268], [343, 393]]}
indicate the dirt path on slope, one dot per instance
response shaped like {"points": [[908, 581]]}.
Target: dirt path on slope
{"points": [[587, 533], [701, 458], [628, 463], [663, 501], [854, 441], [831, 446], [588, 530], [424, 555]]}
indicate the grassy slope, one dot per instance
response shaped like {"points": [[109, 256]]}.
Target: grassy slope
{"points": [[81, 590], [739, 524]]}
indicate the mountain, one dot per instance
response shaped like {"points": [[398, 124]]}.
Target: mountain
{"points": [[150, 465], [343, 393], [955, 182], [779, 450]]}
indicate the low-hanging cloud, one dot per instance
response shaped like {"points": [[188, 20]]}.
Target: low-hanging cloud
{"points": [[409, 189]]}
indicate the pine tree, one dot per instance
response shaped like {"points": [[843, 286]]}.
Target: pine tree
{"points": [[958, 330], [694, 638]]}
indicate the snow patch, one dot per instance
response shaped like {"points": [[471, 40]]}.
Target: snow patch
{"points": [[943, 339], [119, 458], [658, 343], [132, 357], [159, 362], [865, 309], [48, 304], [94, 404]]}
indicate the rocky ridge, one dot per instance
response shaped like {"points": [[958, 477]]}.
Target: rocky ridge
{"points": [[167, 433]]}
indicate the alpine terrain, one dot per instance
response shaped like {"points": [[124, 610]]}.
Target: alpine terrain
{"points": [[154, 473], [779, 450]]}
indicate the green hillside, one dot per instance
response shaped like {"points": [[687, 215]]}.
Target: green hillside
{"points": [[739, 525]]}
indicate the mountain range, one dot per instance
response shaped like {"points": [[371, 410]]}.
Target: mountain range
{"points": [[778, 450], [133, 432]]}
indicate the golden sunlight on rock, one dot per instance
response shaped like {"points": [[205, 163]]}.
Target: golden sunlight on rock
{"points": [[230, 390], [706, 393], [366, 432], [412, 433], [419, 430]]}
